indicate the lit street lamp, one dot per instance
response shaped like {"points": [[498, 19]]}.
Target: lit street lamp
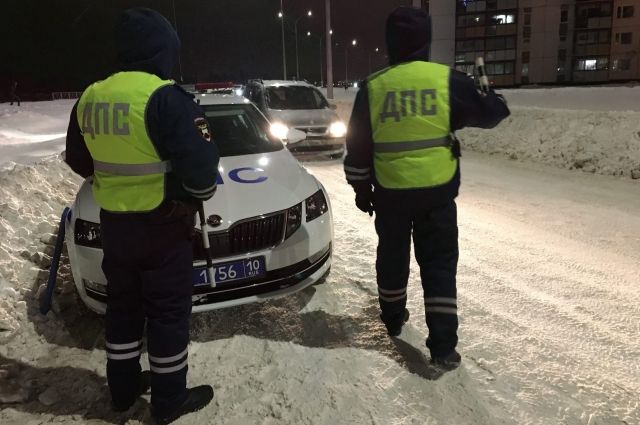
{"points": [[295, 26], [354, 43], [284, 50], [321, 38], [329, 47], [377, 50]]}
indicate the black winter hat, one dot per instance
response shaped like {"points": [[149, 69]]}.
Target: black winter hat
{"points": [[408, 35]]}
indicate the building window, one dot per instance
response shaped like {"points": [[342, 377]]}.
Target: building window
{"points": [[503, 19], [564, 16], [593, 37], [591, 64], [425, 5], [625, 12], [470, 20], [525, 70], [525, 57], [625, 38], [564, 29], [471, 6], [622, 64], [499, 68], [526, 29]]}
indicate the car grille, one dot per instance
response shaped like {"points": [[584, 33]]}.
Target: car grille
{"points": [[314, 131], [249, 235]]}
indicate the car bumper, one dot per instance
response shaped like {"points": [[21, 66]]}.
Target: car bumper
{"points": [[315, 145], [295, 264]]}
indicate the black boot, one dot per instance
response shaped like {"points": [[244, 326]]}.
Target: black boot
{"points": [[394, 324], [449, 362], [145, 384], [197, 398]]}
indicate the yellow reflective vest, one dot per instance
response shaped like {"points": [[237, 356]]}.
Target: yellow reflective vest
{"points": [[128, 172], [409, 108]]}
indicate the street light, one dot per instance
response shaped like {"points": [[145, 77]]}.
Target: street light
{"points": [[354, 43], [377, 50], [329, 46], [321, 39], [284, 50], [295, 26]]}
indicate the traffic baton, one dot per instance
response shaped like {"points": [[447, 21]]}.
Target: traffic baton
{"points": [[482, 75], [207, 246]]}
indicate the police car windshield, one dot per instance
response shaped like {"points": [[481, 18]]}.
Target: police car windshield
{"points": [[240, 130], [295, 97]]}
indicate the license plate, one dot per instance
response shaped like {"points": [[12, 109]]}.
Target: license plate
{"points": [[231, 271]]}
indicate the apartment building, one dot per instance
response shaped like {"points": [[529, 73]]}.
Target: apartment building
{"points": [[539, 41]]}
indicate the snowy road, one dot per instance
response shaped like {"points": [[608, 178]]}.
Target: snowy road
{"points": [[549, 307], [549, 299], [549, 290]]}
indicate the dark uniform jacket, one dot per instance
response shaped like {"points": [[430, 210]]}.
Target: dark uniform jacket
{"points": [[468, 109], [171, 114]]}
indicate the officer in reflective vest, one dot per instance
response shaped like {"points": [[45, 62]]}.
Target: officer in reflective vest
{"points": [[403, 163], [146, 144]]}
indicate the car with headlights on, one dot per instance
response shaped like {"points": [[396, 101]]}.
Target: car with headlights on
{"points": [[269, 224], [300, 105]]}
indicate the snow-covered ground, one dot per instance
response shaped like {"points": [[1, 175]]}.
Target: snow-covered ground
{"points": [[548, 286]]}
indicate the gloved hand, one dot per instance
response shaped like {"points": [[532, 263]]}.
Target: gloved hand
{"points": [[364, 200]]}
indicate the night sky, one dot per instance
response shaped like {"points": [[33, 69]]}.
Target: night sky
{"points": [[67, 44]]}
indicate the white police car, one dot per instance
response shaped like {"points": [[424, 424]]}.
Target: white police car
{"points": [[270, 222]]}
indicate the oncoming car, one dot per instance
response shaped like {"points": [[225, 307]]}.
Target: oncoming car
{"points": [[269, 224], [299, 105]]}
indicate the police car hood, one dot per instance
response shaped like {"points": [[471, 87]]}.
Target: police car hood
{"points": [[248, 186], [303, 117], [252, 185]]}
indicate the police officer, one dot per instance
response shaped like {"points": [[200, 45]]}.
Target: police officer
{"points": [[403, 164], [148, 147]]}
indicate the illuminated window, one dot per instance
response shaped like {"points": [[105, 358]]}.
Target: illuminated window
{"points": [[503, 19]]}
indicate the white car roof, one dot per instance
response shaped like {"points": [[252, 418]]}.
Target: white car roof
{"points": [[221, 99]]}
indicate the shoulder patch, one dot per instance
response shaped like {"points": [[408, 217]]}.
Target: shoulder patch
{"points": [[203, 127]]}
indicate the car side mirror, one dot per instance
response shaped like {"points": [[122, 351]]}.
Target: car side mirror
{"points": [[295, 136], [333, 106]]}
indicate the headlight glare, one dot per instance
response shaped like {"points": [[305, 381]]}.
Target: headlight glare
{"points": [[87, 234], [316, 205], [294, 219], [338, 129], [279, 130]]}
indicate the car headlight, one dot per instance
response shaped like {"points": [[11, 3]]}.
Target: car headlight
{"points": [[338, 129], [294, 219], [87, 234], [279, 130], [316, 205]]}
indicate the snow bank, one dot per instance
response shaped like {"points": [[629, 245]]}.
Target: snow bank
{"points": [[31, 200], [567, 127], [601, 98], [596, 142]]}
